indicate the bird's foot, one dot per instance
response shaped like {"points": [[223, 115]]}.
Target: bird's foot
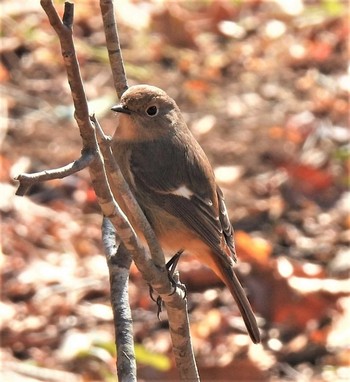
{"points": [[173, 277], [158, 300], [174, 280]]}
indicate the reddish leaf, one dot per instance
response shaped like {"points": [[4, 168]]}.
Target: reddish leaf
{"points": [[252, 248], [320, 51], [291, 134], [4, 74], [197, 85], [309, 179]]}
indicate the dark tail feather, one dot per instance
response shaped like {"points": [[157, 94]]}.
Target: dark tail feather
{"points": [[235, 287]]}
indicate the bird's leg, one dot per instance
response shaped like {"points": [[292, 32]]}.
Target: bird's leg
{"points": [[157, 300], [170, 266], [172, 263], [151, 293]]}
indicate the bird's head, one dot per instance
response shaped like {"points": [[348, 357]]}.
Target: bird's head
{"points": [[146, 113]]}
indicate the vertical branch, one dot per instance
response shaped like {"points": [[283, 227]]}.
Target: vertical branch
{"points": [[119, 261], [64, 31], [113, 46], [119, 274], [179, 327]]}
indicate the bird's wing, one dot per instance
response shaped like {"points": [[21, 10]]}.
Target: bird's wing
{"points": [[182, 183], [225, 223]]}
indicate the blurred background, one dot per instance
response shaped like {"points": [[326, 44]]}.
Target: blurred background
{"points": [[264, 87]]}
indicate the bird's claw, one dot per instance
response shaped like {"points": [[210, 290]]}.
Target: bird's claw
{"points": [[176, 284], [170, 266], [157, 300]]}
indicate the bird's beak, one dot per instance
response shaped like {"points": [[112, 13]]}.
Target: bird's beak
{"points": [[120, 109]]}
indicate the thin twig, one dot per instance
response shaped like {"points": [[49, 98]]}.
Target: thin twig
{"points": [[36, 373], [113, 46], [64, 32], [26, 181]]}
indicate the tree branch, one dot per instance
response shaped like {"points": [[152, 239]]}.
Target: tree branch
{"points": [[119, 261], [113, 46], [26, 181], [64, 33]]}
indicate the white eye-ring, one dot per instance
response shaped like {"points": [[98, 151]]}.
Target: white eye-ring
{"points": [[152, 111]]}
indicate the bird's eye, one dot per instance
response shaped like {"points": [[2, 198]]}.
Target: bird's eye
{"points": [[152, 111]]}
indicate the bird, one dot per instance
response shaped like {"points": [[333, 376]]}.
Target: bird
{"points": [[173, 182]]}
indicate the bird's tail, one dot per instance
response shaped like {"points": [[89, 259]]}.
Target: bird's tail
{"points": [[228, 276]]}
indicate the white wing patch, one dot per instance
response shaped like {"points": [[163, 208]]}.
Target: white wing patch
{"points": [[183, 191]]}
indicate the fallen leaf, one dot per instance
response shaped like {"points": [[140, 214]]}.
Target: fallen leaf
{"points": [[252, 248]]}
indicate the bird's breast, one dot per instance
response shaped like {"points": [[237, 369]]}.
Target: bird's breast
{"points": [[126, 129]]}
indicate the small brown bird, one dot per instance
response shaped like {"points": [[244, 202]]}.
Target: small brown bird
{"points": [[174, 185]]}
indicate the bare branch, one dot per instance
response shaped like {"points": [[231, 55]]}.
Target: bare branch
{"points": [[68, 15], [113, 46], [64, 32], [179, 327], [53, 16], [27, 372], [26, 181], [119, 261]]}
